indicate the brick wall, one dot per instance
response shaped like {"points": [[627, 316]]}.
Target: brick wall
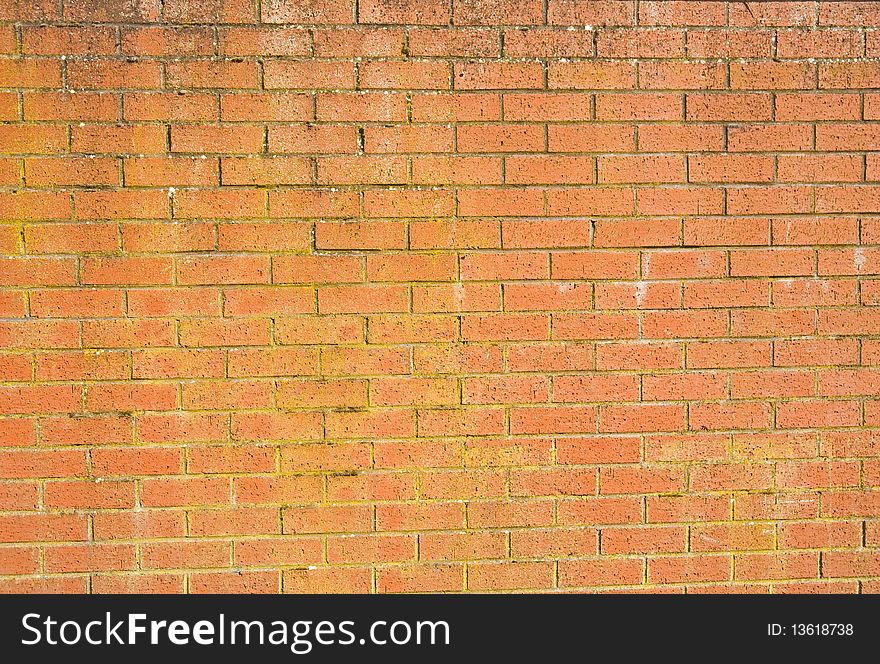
{"points": [[439, 295]]}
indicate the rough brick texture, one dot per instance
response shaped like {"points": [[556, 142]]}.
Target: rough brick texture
{"points": [[439, 295]]}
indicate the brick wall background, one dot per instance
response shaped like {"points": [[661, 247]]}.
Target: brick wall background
{"points": [[439, 295]]}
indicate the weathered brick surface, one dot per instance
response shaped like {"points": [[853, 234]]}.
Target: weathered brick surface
{"points": [[417, 295]]}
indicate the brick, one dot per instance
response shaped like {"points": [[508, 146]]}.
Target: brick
{"points": [[732, 106], [663, 509], [224, 138], [159, 302], [493, 12], [127, 271], [591, 76], [648, 43], [101, 75], [356, 41], [625, 170], [457, 107], [730, 43], [775, 13], [363, 106], [721, 477], [600, 510], [71, 238], [556, 107], [166, 106], [440, 299], [807, 414], [684, 76], [644, 106], [393, 424], [270, 106], [774, 566], [579, 12], [659, 539], [624, 480], [772, 76], [432, 578], [548, 43], [614, 356], [601, 572], [458, 170], [168, 237], [599, 137], [690, 569], [175, 171], [281, 75], [231, 582], [55, 40], [91, 558], [600, 325], [182, 427], [730, 168], [44, 528], [258, 41], [148, 461], [508, 575], [122, 204], [495, 138], [39, 464], [467, 483], [29, 139], [388, 140], [153, 40], [121, 397], [337, 12]]}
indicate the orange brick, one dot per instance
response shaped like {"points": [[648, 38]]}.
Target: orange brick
{"points": [[360, 106], [328, 580], [171, 492], [89, 558], [279, 74], [690, 569], [357, 41], [812, 106], [118, 333], [601, 572], [653, 43], [245, 106]]}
